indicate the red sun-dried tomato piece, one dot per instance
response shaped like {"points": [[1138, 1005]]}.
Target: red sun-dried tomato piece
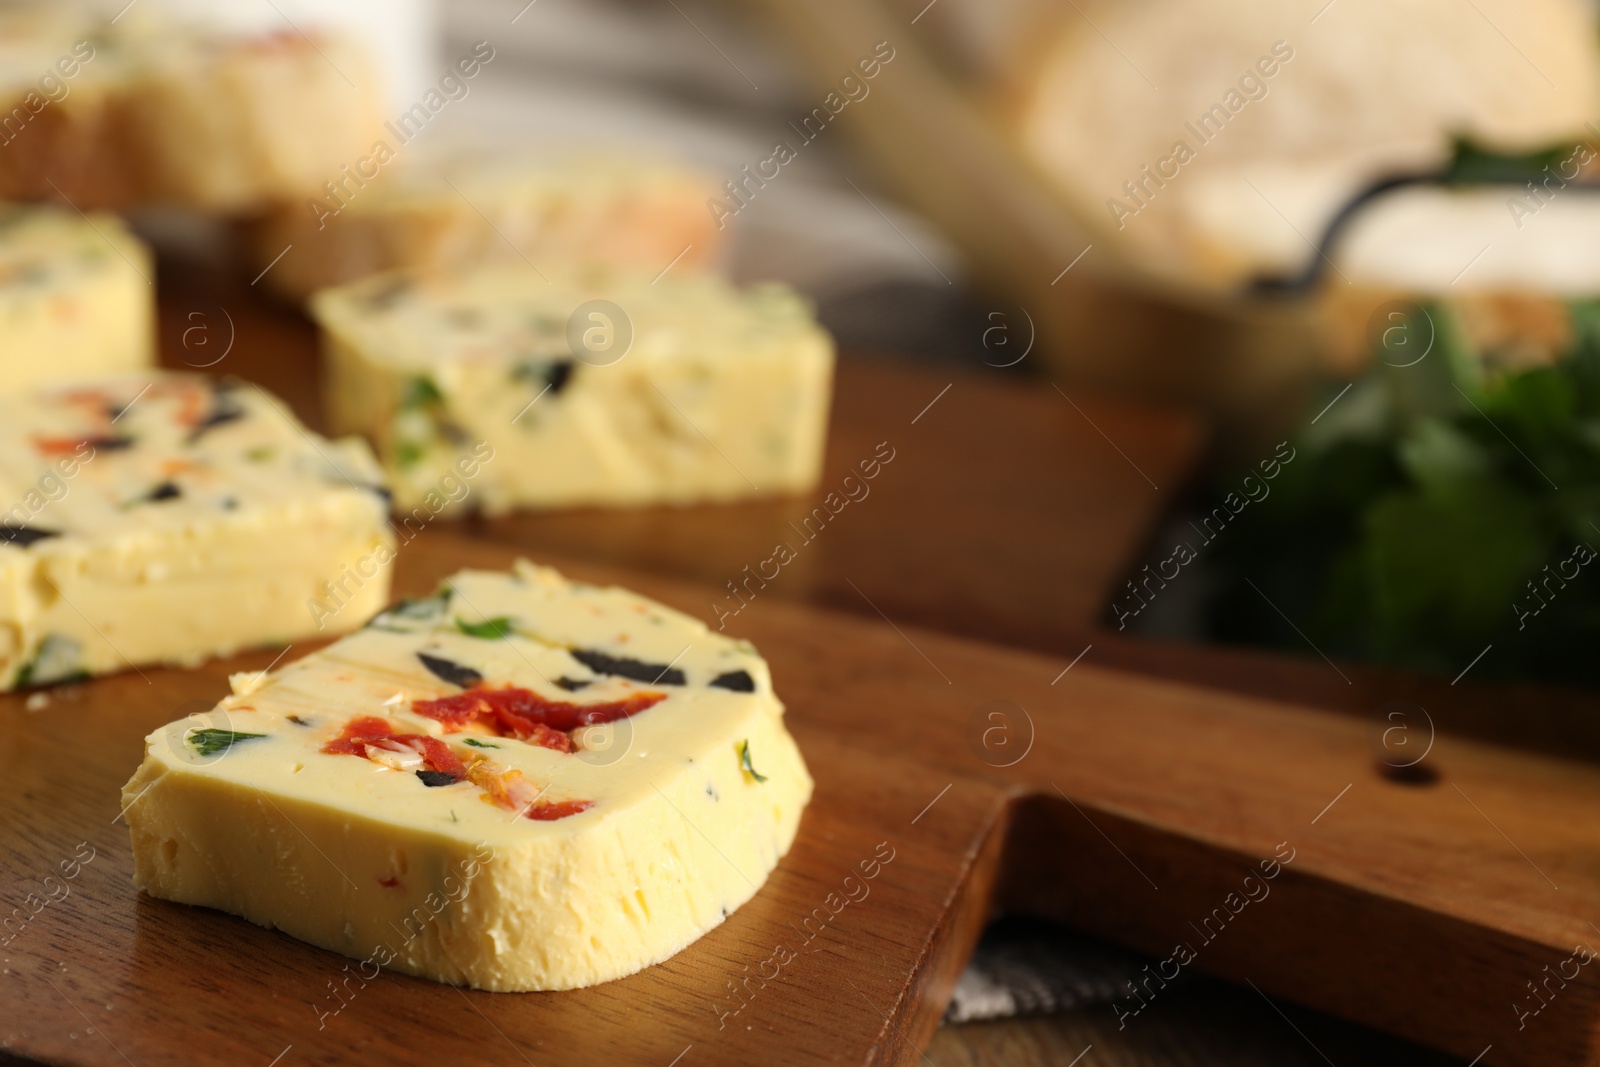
{"points": [[456, 711], [367, 730], [540, 734], [558, 809], [437, 754], [352, 741], [515, 712]]}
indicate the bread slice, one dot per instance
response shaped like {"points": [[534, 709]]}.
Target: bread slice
{"points": [[148, 110], [460, 206], [1283, 112], [64, 123], [230, 124]]}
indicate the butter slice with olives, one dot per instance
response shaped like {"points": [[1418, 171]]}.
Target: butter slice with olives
{"points": [[75, 297], [164, 518], [590, 387], [519, 783]]}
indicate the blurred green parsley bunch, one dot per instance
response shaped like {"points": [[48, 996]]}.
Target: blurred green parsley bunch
{"points": [[1436, 509]]}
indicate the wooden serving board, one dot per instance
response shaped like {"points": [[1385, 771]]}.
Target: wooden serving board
{"points": [[1130, 807]]}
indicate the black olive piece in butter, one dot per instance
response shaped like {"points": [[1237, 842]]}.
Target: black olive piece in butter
{"points": [[451, 672], [559, 374], [436, 778], [22, 535], [738, 681], [623, 667], [223, 411]]}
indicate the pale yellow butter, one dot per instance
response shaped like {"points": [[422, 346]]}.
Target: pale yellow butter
{"points": [[163, 518], [694, 799], [596, 386], [76, 297]]}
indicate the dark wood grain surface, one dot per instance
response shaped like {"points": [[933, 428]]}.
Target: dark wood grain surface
{"points": [[1414, 903], [1133, 807]]}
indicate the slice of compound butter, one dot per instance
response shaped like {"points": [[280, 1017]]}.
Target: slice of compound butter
{"points": [[75, 297], [599, 386], [519, 783], [164, 518]]}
